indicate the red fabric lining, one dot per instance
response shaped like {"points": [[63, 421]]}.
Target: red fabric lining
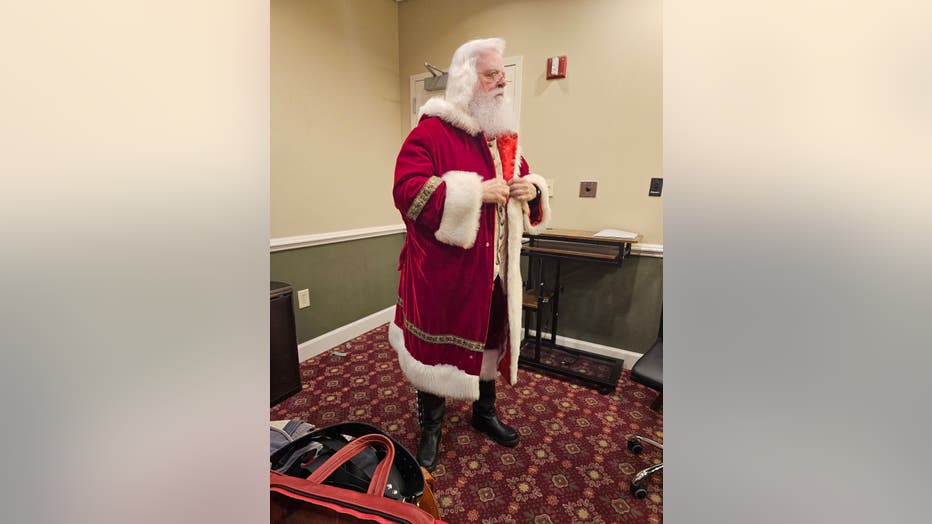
{"points": [[507, 148]]}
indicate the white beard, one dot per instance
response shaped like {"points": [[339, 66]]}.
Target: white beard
{"points": [[493, 115]]}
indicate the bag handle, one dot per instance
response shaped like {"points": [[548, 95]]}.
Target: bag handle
{"points": [[353, 448]]}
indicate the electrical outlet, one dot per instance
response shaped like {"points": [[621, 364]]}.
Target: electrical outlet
{"points": [[588, 189], [304, 298], [550, 183]]}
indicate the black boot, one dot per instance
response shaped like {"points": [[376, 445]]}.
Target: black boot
{"points": [[430, 416], [486, 421]]}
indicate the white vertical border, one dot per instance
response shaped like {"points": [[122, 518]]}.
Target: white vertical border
{"points": [[518, 62], [413, 97]]}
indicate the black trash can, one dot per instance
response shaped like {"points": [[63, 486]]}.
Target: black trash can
{"points": [[283, 344]]}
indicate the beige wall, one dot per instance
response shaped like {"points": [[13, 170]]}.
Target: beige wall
{"points": [[340, 101], [334, 115], [602, 122]]}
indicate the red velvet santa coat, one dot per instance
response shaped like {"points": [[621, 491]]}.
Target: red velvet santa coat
{"points": [[447, 262]]}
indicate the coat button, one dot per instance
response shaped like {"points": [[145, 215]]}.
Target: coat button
{"points": [[486, 244]]}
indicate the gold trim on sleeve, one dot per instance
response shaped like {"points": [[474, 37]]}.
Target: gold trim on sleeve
{"points": [[423, 196]]}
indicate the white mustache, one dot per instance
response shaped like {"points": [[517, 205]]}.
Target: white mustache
{"points": [[493, 95]]}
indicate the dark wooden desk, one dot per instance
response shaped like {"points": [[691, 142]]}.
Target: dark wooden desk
{"points": [[537, 353]]}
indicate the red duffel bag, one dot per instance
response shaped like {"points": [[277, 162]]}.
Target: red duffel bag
{"points": [[304, 501]]}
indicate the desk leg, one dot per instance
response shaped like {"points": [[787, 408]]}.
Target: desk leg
{"points": [[527, 326], [528, 285], [540, 309], [555, 307]]}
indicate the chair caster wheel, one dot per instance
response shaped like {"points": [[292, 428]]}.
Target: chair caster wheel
{"points": [[638, 491], [634, 446]]}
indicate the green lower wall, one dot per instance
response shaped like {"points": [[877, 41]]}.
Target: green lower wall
{"points": [[347, 281], [609, 305], [603, 304]]}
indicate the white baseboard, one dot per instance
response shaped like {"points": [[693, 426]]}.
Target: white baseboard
{"points": [[331, 339], [629, 357]]}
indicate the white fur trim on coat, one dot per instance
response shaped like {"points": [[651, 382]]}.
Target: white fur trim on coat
{"points": [[451, 114], [442, 379], [513, 285], [516, 172], [541, 183], [459, 223]]}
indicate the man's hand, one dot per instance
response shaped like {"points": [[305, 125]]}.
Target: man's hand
{"points": [[521, 190], [494, 191]]}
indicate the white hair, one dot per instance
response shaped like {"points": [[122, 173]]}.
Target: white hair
{"points": [[463, 76]]}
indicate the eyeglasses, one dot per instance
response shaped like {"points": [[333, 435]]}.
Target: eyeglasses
{"points": [[493, 75]]}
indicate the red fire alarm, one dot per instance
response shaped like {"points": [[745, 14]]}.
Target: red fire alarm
{"points": [[556, 67]]}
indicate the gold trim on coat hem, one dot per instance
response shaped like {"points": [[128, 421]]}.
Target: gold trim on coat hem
{"points": [[453, 340], [423, 196]]}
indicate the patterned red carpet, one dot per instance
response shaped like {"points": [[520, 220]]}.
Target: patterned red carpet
{"points": [[571, 466]]}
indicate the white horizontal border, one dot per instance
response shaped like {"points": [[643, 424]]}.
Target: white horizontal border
{"points": [[344, 334], [332, 339], [647, 250], [629, 357], [319, 239], [286, 243]]}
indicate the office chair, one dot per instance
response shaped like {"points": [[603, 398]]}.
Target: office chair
{"points": [[648, 370]]}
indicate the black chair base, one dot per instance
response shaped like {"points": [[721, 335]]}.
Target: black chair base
{"points": [[648, 370], [634, 446]]}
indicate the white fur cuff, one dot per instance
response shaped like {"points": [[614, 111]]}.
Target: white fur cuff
{"points": [[461, 208]]}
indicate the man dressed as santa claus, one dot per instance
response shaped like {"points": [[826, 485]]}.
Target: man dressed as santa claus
{"points": [[466, 196]]}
